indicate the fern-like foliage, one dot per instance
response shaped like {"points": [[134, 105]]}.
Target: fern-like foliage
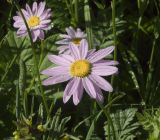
{"points": [[151, 123], [123, 125]]}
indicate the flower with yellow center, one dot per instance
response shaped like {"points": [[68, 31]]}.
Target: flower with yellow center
{"points": [[83, 69], [80, 68], [73, 36], [33, 21], [37, 18]]}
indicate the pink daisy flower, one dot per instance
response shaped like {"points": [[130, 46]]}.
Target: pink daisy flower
{"points": [[38, 20], [72, 36], [84, 70]]}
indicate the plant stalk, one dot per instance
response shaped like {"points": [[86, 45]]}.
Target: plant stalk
{"points": [[37, 74]]}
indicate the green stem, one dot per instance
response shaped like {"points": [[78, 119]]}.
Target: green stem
{"points": [[22, 82], [149, 76], [76, 11], [17, 103], [114, 32], [39, 81], [10, 65], [42, 53], [68, 6], [109, 122], [115, 38], [115, 58], [37, 74], [151, 57], [88, 23], [70, 9]]}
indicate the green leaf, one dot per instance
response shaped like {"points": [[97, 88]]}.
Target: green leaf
{"points": [[123, 124]]}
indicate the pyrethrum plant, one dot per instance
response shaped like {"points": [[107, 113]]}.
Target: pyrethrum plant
{"points": [[123, 124], [131, 27]]}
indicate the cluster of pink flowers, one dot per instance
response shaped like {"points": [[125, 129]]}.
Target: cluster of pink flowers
{"points": [[83, 68]]}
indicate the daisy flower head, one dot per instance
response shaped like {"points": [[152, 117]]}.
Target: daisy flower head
{"points": [[72, 36], [37, 18], [84, 70]]}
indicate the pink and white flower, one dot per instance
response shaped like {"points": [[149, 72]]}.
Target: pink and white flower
{"points": [[84, 70], [72, 36], [38, 20]]}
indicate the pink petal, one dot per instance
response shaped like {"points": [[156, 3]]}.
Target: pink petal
{"points": [[77, 95], [104, 70], [70, 31], [34, 8], [17, 18], [23, 27], [46, 14], [25, 13], [62, 49], [41, 35], [45, 21], [58, 60], [89, 87], [74, 51], [90, 52], [105, 63], [100, 54], [41, 8], [101, 82], [18, 24], [21, 32], [68, 52], [83, 48], [80, 34], [99, 96], [63, 41], [66, 95], [59, 70], [71, 88], [44, 27], [34, 37], [56, 80], [65, 36], [29, 10], [67, 57], [35, 34]]}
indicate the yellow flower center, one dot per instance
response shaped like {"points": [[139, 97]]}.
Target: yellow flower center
{"points": [[80, 68], [33, 21], [76, 41]]}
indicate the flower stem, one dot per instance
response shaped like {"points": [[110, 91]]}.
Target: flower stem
{"points": [[37, 74], [17, 103], [113, 3], [109, 120], [39, 80], [149, 76], [114, 32], [87, 16], [76, 11], [69, 7]]}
